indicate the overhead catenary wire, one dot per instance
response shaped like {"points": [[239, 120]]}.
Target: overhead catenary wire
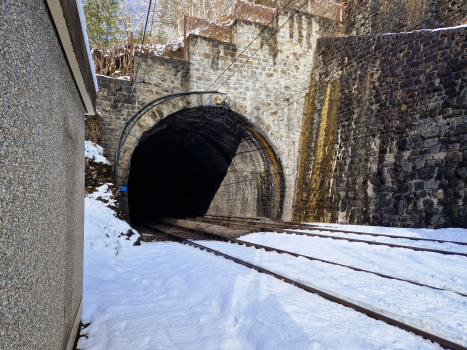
{"points": [[304, 89], [334, 73], [152, 27], [142, 42], [290, 102], [246, 48], [254, 53], [262, 45], [257, 50], [428, 19]]}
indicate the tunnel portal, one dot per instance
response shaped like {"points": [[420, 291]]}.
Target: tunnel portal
{"points": [[204, 160]]}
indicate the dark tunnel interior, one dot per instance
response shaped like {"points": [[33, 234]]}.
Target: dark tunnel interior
{"points": [[179, 165]]}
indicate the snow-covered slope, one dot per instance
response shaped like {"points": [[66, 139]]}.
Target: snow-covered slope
{"points": [[94, 152]]}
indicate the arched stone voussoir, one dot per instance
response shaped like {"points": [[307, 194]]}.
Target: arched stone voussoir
{"points": [[147, 119], [171, 107], [145, 123]]}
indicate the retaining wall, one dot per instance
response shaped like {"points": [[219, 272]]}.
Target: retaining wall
{"points": [[365, 17], [384, 140]]}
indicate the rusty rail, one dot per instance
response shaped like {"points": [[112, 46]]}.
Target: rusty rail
{"points": [[445, 343], [323, 228], [264, 227]]}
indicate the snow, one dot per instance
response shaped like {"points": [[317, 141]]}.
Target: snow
{"points": [[437, 270], [94, 152], [103, 230], [172, 296], [424, 308], [448, 247], [430, 30], [103, 192], [82, 18], [447, 234]]}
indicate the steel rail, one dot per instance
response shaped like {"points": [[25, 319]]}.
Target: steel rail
{"points": [[289, 231], [280, 251], [130, 123], [332, 229], [445, 343]]}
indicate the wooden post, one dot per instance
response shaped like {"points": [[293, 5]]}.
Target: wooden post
{"points": [[131, 56], [184, 38]]}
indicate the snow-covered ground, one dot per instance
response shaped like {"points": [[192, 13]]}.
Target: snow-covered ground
{"points": [[443, 246], [172, 296], [446, 234], [437, 270], [421, 307]]}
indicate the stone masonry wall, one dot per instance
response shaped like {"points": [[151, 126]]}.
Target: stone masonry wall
{"points": [[117, 100], [389, 16], [384, 140], [260, 89], [41, 182]]}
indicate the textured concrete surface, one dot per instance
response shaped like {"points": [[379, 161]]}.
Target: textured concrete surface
{"points": [[41, 182]]}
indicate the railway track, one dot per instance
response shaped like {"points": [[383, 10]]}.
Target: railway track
{"points": [[291, 225], [200, 235], [186, 236], [265, 227]]}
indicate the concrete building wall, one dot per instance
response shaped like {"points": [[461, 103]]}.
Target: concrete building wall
{"points": [[384, 140], [41, 182]]}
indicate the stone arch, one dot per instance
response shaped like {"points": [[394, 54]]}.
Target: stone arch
{"points": [[243, 177]]}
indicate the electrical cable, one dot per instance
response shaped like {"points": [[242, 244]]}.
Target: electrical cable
{"points": [[267, 26], [152, 26], [290, 103], [251, 42], [262, 45], [324, 86], [291, 96], [254, 53], [428, 19], [331, 74], [142, 43]]}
